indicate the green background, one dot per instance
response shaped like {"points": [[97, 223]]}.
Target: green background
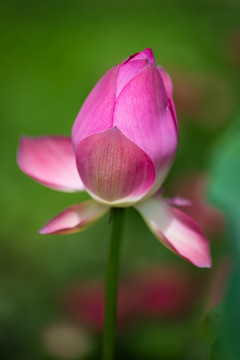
{"points": [[52, 54]]}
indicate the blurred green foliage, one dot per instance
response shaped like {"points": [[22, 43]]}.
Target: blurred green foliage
{"points": [[52, 54], [225, 192]]}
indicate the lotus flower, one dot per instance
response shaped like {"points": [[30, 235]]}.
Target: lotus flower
{"points": [[123, 143]]}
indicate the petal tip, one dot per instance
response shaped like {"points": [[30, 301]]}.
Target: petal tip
{"points": [[176, 231], [74, 219], [42, 231], [22, 140], [206, 264], [146, 54]]}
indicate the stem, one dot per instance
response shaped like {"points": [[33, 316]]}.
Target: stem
{"points": [[112, 284]]}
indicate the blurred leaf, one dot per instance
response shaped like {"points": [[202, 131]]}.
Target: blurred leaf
{"points": [[217, 350], [232, 310], [154, 340], [213, 329], [212, 325], [225, 171], [225, 192]]}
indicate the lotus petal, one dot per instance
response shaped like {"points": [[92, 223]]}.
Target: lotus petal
{"points": [[75, 218], [127, 71], [178, 201], [113, 169], [176, 231], [51, 161], [145, 116], [146, 54], [96, 114], [167, 82]]}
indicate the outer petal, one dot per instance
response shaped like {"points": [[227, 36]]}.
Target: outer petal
{"points": [[50, 161], [96, 113], [176, 231], [167, 82], [75, 218], [173, 112], [144, 115], [113, 169]]}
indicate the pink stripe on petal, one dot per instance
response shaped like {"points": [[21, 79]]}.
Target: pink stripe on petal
{"points": [[50, 161], [75, 218], [142, 113], [167, 81], [96, 113], [114, 169], [176, 231]]}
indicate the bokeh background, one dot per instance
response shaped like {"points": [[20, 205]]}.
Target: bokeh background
{"points": [[51, 287]]}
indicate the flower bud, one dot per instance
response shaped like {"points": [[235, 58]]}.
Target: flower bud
{"points": [[125, 135]]}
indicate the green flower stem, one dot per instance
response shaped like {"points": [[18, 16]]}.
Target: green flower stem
{"points": [[112, 284]]}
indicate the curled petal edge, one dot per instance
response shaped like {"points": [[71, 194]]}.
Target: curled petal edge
{"points": [[178, 232], [75, 218]]}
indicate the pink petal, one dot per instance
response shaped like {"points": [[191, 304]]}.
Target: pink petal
{"points": [[96, 113], [143, 114], [75, 218], [146, 54], [176, 231], [113, 169], [127, 71], [178, 201], [167, 82], [50, 161]]}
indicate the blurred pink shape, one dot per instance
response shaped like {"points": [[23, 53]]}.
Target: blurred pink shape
{"points": [[86, 303], [166, 292], [156, 292], [203, 98]]}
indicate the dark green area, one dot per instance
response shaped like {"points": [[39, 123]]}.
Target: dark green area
{"points": [[225, 191]]}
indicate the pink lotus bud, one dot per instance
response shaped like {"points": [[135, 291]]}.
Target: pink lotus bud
{"points": [[125, 135], [123, 143]]}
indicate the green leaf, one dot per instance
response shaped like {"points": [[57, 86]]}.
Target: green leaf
{"points": [[213, 324], [225, 192]]}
